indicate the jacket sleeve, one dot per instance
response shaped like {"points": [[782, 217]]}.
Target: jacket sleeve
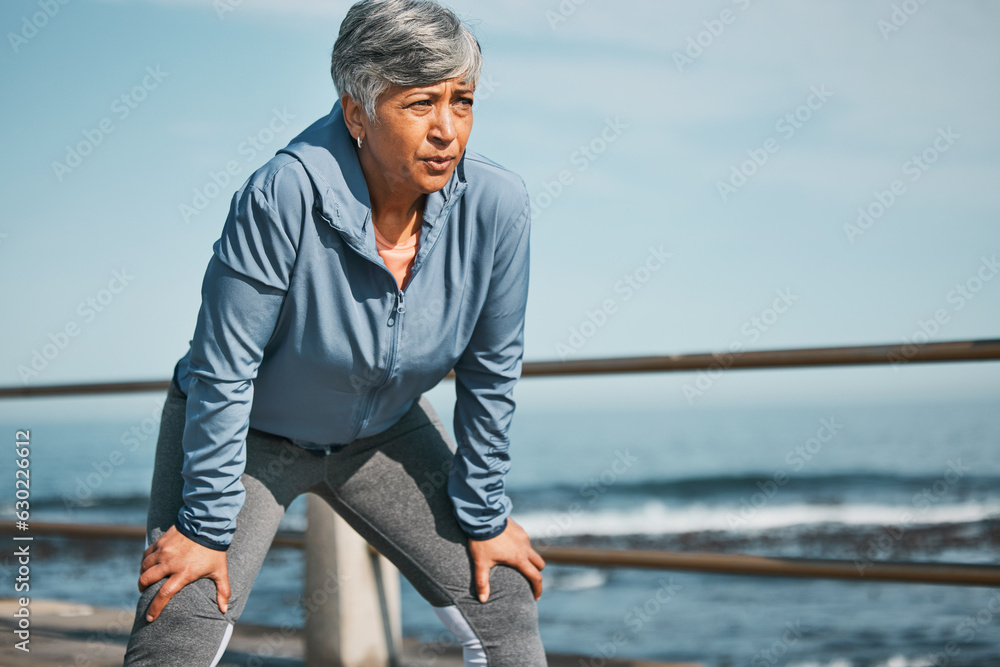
{"points": [[485, 376], [242, 293]]}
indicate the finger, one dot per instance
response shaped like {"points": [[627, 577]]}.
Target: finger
{"points": [[171, 587], [536, 559], [148, 562], [482, 576], [152, 575], [150, 549], [534, 578], [536, 585], [222, 591]]}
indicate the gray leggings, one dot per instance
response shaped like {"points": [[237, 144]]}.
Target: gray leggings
{"points": [[389, 487]]}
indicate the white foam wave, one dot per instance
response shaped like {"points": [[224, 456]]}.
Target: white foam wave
{"points": [[894, 661], [656, 518], [576, 580]]}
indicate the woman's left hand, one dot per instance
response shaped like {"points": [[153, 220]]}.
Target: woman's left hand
{"points": [[511, 547]]}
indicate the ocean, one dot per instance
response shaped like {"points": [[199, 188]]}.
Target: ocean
{"points": [[905, 481]]}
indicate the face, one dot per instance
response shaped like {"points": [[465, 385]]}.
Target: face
{"points": [[418, 139]]}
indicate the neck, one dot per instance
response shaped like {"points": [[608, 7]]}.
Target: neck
{"points": [[398, 220], [396, 213]]}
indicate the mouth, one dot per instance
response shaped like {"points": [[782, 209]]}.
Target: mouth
{"points": [[438, 162]]}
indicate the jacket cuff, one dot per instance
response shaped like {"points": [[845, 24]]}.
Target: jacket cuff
{"points": [[198, 538], [490, 534], [175, 383]]}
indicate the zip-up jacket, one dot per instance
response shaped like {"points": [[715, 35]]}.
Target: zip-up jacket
{"points": [[304, 333]]}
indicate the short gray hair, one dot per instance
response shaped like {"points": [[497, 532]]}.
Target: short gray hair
{"points": [[403, 43]]}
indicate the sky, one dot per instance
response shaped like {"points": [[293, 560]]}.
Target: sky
{"points": [[704, 176]]}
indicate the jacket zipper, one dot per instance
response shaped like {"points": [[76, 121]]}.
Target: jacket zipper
{"points": [[397, 312]]}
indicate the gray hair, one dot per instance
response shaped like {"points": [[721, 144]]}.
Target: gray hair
{"points": [[403, 43]]}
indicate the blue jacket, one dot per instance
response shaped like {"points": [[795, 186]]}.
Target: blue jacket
{"points": [[303, 332]]}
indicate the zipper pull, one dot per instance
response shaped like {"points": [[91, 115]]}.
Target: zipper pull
{"points": [[398, 309]]}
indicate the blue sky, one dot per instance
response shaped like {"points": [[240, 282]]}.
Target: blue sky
{"points": [[695, 169]]}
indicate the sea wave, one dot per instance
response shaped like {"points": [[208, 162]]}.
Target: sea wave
{"points": [[959, 482], [658, 518], [894, 661]]}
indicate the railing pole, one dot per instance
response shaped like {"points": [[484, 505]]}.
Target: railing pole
{"points": [[950, 574], [344, 614], [858, 355]]}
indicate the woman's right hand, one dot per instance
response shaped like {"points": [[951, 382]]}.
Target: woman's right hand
{"points": [[182, 560]]}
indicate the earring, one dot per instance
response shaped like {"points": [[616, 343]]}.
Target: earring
{"points": [[359, 141]]}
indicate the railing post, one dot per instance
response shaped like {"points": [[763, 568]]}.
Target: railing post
{"points": [[344, 615]]}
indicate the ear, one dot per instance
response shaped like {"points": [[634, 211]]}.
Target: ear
{"points": [[354, 116]]}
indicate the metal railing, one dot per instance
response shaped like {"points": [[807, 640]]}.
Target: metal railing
{"points": [[929, 573], [955, 574], [917, 353]]}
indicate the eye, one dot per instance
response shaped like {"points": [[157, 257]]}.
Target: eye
{"points": [[418, 103], [466, 101]]}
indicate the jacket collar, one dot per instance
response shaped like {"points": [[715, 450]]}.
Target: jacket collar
{"points": [[327, 153]]}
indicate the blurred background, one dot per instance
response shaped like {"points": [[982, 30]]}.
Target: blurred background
{"points": [[705, 177]]}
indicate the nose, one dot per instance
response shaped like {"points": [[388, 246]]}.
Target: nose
{"points": [[443, 129]]}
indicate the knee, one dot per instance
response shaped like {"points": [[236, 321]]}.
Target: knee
{"points": [[507, 623], [511, 594], [190, 629]]}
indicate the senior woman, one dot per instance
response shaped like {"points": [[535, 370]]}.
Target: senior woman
{"points": [[356, 268]]}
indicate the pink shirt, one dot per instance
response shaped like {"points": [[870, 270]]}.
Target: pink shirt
{"points": [[398, 258]]}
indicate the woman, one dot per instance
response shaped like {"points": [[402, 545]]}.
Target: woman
{"points": [[356, 268]]}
